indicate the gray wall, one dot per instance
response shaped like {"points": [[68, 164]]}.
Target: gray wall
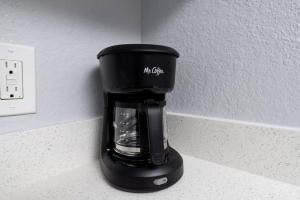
{"points": [[67, 35], [239, 59]]}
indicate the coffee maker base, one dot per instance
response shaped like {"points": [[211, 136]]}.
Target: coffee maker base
{"points": [[142, 179]]}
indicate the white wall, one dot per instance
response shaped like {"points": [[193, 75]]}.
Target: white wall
{"points": [[239, 59], [67, 35]]}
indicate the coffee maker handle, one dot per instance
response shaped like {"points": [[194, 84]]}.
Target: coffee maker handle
{"points": [[155, 133]]}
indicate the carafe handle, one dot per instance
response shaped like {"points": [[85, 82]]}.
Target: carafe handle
{"points": [[154, 115]]}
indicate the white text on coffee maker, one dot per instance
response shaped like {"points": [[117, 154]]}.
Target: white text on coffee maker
{"points": [[153, 70]]}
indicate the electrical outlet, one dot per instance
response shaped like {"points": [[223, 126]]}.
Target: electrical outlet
{"points": [[11, 79], [17, 80]]}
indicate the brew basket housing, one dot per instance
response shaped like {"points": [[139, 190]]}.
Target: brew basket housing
{"points": [[138, 67]]}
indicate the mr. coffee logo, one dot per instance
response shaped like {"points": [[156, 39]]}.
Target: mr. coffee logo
{"points": [[153, 70]]}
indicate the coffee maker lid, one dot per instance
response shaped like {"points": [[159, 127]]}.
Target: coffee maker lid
{"points": [[138, 48]]}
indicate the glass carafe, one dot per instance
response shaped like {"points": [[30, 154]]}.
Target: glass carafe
{"points": [[127, 136]]}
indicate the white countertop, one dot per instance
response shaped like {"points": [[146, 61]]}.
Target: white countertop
{"points": [[201, 180]]}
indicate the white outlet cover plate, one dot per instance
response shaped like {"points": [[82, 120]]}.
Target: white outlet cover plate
{"points": [[26, 55]]}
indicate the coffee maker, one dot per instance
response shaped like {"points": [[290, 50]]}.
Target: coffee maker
{"points": [[135, 153]]}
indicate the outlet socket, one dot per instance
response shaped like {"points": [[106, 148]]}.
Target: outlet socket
{"points": [[11, 79], [17, 80]]}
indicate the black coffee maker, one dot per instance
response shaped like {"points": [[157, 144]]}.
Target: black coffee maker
{"points": [[135, 154]]}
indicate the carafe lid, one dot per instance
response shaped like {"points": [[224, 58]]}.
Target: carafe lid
{"points": [[138, 48]]}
